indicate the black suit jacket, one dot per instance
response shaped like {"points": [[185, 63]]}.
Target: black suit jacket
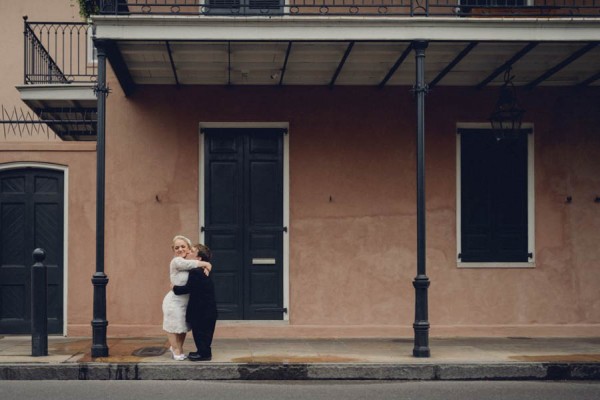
{"points": [[202, 304]]}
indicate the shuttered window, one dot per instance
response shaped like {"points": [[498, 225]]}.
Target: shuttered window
{"points": [[245, 6], [494, 3], [493, 197]]}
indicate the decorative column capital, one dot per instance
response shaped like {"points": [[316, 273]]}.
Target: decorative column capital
{"points": [[420, 45]]}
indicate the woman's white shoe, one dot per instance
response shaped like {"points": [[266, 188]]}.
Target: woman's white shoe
{"points": [[179, 357]]}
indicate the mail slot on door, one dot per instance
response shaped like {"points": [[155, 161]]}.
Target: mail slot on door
{"points": [[263, 261]]}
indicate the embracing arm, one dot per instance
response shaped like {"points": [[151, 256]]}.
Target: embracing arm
{"points": [[194, 279], [182, 264], [206, 266], [190, 265], [179, 290]]}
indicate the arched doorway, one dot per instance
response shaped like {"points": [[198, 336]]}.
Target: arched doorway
{"points": [[31, 216]]}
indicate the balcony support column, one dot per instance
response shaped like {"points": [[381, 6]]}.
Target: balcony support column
{"points": [[421, 281], [99, 279]]}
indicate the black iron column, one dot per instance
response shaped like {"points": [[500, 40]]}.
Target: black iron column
{"points": [[39, 305], [100, 280], [421, 282]]}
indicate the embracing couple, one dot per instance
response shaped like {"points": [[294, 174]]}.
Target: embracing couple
{"points": [[191, 302]]}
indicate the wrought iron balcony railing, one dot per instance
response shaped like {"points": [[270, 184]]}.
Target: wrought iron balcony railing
{"points": [[58, 52], [410, 8]]}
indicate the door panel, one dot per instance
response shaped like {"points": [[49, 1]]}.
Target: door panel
{"points": [[225, 204], [244, 220], [223, 161], [264, 226], [31, 216]]}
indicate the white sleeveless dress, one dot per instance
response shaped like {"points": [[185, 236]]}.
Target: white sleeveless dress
{"points": [[174, 306]]}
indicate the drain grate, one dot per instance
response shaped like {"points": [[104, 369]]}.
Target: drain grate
{"points": [[149, 352]]}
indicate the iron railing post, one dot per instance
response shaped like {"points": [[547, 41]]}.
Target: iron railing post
{"points": [[25, 47], [421, 281], [99, 279]]}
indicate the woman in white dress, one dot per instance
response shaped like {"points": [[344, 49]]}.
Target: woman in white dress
{"points": [[174, 306]]}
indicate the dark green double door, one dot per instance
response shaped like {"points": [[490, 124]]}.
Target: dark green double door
{"points": [[244, 220], [31, 216]]}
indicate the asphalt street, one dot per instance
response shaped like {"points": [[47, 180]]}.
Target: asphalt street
{"points": [[292, 390]]}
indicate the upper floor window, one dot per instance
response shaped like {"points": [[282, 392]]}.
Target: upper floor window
{"points": [[494, 3], [245, 6], [495, 178]]}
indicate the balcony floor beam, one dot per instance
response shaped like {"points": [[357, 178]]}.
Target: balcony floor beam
{"points": [[591, 79], [172, 63], [453, 64], [341, 65], [561, 65], [520, 54], [285, 63], [396, 65]]}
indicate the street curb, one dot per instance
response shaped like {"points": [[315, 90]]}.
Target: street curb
{"points": [[285, 371]]}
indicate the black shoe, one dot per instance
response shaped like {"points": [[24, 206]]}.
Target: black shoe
{"points": [[199, 357]]}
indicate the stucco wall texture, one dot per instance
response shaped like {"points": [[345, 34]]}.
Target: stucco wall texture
{"points": [[352, 190], [352, 258]]}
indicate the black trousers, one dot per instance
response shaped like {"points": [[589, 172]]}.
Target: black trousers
{"points": [[203, 330]]}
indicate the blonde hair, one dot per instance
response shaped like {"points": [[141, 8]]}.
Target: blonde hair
{"points": [[181, 237]]}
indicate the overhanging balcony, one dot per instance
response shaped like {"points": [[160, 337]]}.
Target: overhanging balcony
{"points": [[60, 76], [356, 42]]}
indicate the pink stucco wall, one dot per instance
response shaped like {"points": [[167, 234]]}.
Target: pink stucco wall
{"points": [[353, 259]]}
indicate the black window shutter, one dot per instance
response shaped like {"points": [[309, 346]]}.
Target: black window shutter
{"points": [[245, 6], [264, 5], [493, 197], [493, 3]]}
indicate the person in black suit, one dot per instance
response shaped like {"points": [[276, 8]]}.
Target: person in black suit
{"points": [[201, 311]]}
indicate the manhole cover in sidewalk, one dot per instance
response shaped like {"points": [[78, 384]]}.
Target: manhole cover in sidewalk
{"points": [[149, 352]]}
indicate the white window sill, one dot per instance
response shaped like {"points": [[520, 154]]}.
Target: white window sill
{"points": [[495, 264]]}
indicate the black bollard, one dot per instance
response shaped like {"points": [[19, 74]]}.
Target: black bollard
{"points": [[39, 304]]}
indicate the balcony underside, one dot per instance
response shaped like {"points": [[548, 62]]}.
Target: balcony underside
{"points": [[68, 109], [366, 63], [374, 52]]}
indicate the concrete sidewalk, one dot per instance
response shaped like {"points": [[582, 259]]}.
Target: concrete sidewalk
{"points": [[451, 359]]}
